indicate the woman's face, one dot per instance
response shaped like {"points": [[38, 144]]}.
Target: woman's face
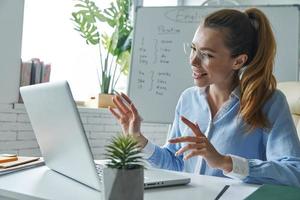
{"points": [[210, 59]]}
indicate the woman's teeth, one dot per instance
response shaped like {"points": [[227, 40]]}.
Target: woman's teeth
{"points": [[197, 75]]}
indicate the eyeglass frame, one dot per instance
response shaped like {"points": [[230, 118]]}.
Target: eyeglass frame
{"points": [[203, 56]]}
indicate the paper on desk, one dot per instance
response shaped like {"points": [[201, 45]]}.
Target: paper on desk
{"points": [[237, 192]]}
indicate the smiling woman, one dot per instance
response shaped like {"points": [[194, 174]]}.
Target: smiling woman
{"points": [[229, 124]]}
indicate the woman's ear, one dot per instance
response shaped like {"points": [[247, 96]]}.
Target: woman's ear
{"points": [[239, 61]]}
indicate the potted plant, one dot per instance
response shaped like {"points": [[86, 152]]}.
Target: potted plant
{"points": [[114, 48], [125, 164]]}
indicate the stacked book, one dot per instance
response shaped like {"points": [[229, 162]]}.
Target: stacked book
{"points": [[33, 72], [11, 163]]}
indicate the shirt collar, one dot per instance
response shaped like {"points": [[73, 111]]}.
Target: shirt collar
{"points": [[235, 93], [202, 90]]}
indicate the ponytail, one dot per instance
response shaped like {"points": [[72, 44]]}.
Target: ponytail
{"points": [[258, 82]]}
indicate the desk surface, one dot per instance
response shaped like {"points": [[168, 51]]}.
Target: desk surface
{"points": [[43, 183]]}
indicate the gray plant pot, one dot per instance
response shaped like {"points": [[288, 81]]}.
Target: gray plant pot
{"points": [[122, 184]]}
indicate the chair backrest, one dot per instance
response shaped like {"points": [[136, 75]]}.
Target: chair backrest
{"points": [[292, 93]]}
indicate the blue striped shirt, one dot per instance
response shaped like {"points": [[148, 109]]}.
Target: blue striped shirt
{"points": [[273, 154]]}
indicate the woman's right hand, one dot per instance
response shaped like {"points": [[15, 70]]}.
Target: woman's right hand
{"points": [[128, 117]]}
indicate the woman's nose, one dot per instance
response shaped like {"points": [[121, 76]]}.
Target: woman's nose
{"points": [[194, 60]]}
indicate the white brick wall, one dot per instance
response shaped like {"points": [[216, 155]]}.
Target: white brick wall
{"points": [[16, 134]]}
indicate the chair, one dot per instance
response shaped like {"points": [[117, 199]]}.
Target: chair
{"points": [[292, 92]]}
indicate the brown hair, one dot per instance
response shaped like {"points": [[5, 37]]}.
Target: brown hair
{"points": [[250, 33]]}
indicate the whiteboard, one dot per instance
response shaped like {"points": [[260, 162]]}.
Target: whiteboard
{"points": [[160, 70]]}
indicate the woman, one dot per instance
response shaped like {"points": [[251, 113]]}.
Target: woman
{"points": [[238, 124]]}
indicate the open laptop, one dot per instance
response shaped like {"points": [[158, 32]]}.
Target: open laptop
{"points": [[58, 128]]}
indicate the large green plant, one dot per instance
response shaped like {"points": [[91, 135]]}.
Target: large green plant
{"points": [[88, 18]]}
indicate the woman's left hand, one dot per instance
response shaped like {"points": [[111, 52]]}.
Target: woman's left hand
{"points": [[199, 145]]}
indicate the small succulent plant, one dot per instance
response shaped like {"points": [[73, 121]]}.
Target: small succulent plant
{"points": [[123, 153]]}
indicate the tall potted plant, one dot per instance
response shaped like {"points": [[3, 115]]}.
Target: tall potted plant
{"points": [[114, 49], [125, 164]]}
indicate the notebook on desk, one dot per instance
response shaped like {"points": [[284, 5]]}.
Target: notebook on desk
{"points": [[275, 192], [59, 131], [21, 164]]}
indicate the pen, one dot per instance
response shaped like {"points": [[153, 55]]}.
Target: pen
{"points": [[222, 192], [4, 158]]}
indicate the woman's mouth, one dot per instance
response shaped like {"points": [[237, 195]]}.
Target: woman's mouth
{"points": [[198, 75]]}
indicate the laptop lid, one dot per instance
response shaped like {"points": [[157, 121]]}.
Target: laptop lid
{"points": [[56, 123], [63, 143]]}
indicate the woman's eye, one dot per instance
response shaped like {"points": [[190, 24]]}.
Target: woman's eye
{"points": [[206, 55], [209, 55], [193, 48]]}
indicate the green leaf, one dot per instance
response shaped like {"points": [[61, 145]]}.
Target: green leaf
{"points": [[86, 18], [88, 31], [114, 40], [123, 152], [124, 62], [105, 83]]}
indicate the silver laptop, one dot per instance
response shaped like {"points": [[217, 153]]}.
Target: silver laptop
{"points": [[58, 128]]}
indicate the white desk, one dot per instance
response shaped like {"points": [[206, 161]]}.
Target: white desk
{"points": [[43, 183]]}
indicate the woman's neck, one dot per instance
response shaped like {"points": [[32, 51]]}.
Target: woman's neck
{"points": [[217, 95]]}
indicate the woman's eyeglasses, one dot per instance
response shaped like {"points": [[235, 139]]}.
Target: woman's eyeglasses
{"points": [[192, 52]]}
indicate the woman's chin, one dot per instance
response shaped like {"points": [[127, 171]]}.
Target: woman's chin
{"points": [[200, 83]]}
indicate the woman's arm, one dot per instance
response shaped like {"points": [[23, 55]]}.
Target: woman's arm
{"points": [[164, 157], [282, 165]]}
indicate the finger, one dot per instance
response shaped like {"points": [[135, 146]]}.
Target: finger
{"points": [[190, 147], [186, 139], [120, 105], [124, 104], [201, 134], [122, 119], [195, 153], [196, 130], [134, 112], [115, 114], [126, 98]]}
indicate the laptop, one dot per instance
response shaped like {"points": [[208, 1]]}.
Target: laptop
{"points": [[59, 132]]}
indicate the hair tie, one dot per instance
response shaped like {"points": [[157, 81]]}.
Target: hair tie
{"points": [[252, 20]]}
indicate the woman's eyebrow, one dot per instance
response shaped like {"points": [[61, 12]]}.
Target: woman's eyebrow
{"points": [[208, 49], [203, 48]]}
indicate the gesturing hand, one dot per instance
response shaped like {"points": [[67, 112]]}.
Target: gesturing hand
{"points": [[128, 117], [199, 145]]}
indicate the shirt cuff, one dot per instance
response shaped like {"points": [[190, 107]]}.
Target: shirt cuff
{"points": [[148, 150], [240, 168]]}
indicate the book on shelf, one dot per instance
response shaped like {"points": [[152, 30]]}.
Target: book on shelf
{"points": [[25, 73], [36, 71], [32, 72], [46, 69], [25, 76]]}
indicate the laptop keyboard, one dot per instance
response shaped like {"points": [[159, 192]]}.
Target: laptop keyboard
{"points": [[99, 169]]}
